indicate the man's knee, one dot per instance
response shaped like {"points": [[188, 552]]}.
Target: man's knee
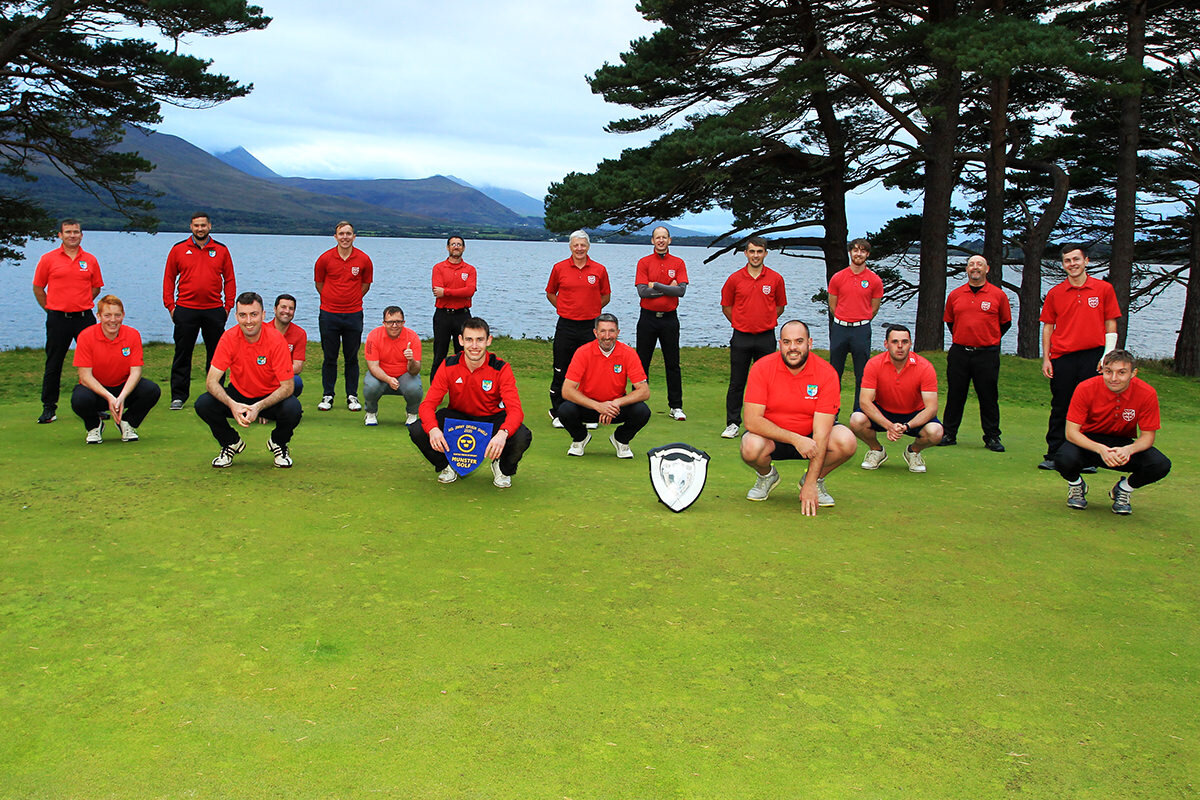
{"points": [[755, 448], [860, 424], [842, 442]]}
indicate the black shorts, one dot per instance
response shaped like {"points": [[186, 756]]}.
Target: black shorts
{"points": [[914, 432]]}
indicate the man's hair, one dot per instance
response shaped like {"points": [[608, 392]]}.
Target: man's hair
{"points": [[343, 224], [113, 300], [64, 223], [893, 328], [656, 228], [580, 234], [1122, 356], [454, 236], [249, 299], [478, 324], [1067, 248], [757, 241], [860, 242], [606, 317], [393, 310], [284, 297], [199, 214], [807, 333]]}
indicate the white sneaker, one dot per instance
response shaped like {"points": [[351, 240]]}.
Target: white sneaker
{"points": [[730, 431], [283, 459], [370, 420], [554, 421], [128, 432], [225, 457], [176, 405], [677, 414], [824, 498], [623, 450], [353, 404], [326, 403], [448, 475], [763, 484], [577, 448], [96, 434], [411, 418], [916, 461], [874, 458], [499, 479]]}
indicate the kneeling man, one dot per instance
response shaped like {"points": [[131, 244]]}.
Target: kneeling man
{"points": [[792, 397], [899, 397], [108, 356], [594, 390], [260, 384], [1111, 423], [482, 389], [393, 356]]}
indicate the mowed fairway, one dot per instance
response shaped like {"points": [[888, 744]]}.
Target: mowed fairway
{"points": [[351, 628]]}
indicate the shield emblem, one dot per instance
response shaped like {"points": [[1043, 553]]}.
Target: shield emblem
{"points": [[811, 390], [592, 279], [212, 253], [83, 266], [865, 283], [125, 352], [617, 368], [354, 271], [467, 441], [1128, 414], [670, 273], [985, 305], [464, 276], [261, 360], [1093, 301], [766, 289], [487, 386], [677, 473]]}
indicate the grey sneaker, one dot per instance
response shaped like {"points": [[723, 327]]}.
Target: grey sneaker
{"points": [[448, 475], [873, 459], [225, 457], [824, 498], [1077, 495], [677, 414], [353, 404], [763, 484], [577, 448], [730, 431], [411, 418], [916, 461], [176, 405], [282, 459], [1120, 498], [623, 450], [96, 434], [326, 403], [370, 420], [499, 479], [128, 432]]}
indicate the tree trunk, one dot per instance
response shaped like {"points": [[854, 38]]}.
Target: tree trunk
{"points": [[1029, 339], [1120, 270], [993, 199], [1187, 346]]}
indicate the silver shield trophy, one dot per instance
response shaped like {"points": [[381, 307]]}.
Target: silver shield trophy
{"points": [[677, 473]]}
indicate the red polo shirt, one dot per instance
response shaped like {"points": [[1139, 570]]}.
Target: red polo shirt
{"points": [[976, 317], [389, 352], [899, 392], [660, 269], [109, 360], [255, 368], [68, 281], [297, 341], [855, 293], [602, 377], [490, 389], [458, 281], [578, 291], [343, 281], [755, 301], [1078, 314], [1098, 409], [195, 276], [792, 400]]}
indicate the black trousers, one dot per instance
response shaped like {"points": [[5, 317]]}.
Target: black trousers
{"points": [[209, 323], [1070, 370], [216, 415], [1145, 467], [854, 341], [569, 336], [447, 325], [339, 333], [87, 405], [744, 350], [980, 366], [62, 327], [510, 456], [632, 419], [662, 327]]}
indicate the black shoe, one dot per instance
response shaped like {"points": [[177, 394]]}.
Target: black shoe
{"points": [[1088, 471], [947, 441], [47, 416], [1047, 464], [994, 445]]}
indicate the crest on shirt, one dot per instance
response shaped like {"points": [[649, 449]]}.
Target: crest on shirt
{"points": [[261, 360], [617, 368], [354, 271], [677, 473], [766, 289], [811, 391], [464, 276], [1128, 414], [1093, 302], [125, 351], [467, 440], [865, 283], [212, 253], [985, 305], [592, 279], [83, 266], [487, 386], [670, 273]]}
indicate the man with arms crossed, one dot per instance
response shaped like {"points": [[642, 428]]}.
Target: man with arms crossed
{"points": [[393, 356], [578, 289], [199, 271], [65, 283], [108, 356], [343, 275], [481, 389], [661, 280], [260, 384], [594, 390], [453, 288], [1079, 326], [792, 397], [294, 335], [977, 314], [899, 397], [1111, 423], [752, 300], [854, 297]]}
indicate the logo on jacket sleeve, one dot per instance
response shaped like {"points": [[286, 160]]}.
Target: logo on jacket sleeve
{"points": [[261, 360], [125, 351], [487, 386]]}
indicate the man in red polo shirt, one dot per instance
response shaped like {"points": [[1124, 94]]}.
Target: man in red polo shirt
{"points": [[899, 397], [199, 271], [792, 397], [855, 294], [661, 279], [752, 300], [481, 388], [343, 275], [594, 390], [108, 356], [1111, 423], [65, 283], [294, 335], [453, 288], [578, 289], [393, 356], [977, 314], [260, 385], [1079, 325]]}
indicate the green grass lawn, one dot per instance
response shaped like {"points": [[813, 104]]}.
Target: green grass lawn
{"points": [[351, 628]]}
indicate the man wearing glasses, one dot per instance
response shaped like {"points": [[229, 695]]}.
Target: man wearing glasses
{"points": [[393, 355]]}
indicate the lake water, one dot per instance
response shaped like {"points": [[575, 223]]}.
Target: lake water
{"points": [[511, 296]]}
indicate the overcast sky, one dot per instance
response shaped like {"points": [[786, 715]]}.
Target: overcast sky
{"points": [[493, 93]]}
